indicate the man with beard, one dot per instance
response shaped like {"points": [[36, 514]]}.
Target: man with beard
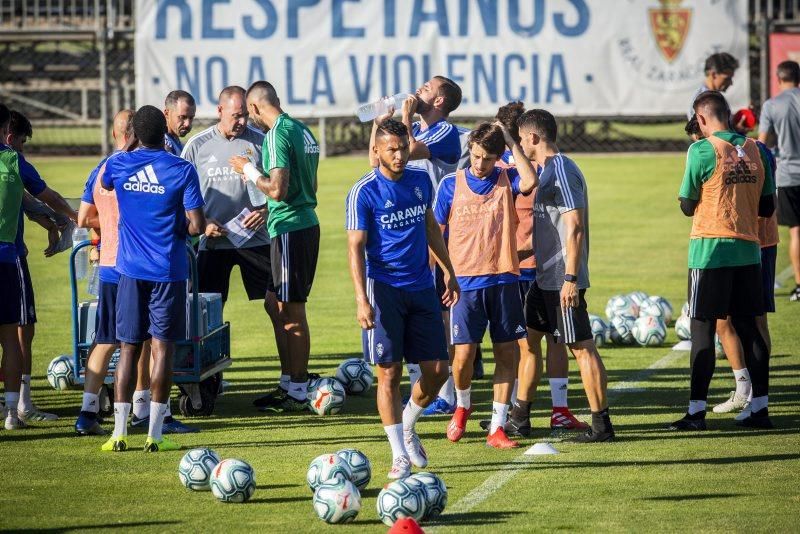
{"points": [[179, 109]]}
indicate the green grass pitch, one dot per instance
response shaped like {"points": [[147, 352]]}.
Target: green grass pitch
{"points": [[724, 480]]}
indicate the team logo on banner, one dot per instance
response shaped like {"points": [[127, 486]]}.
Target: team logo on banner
{"points": [[670, 25]]}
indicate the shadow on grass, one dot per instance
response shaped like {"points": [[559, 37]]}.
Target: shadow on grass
{"points": [[278, 500], [472, 519], [110, 526], [695, 497]]}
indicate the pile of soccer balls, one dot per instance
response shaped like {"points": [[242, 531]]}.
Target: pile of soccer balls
{"points": [[229, 480], [326, 396], [421, 496], [337, 480], [633, 318]]}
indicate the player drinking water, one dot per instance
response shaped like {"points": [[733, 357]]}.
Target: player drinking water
{"points": [[390, 222]]}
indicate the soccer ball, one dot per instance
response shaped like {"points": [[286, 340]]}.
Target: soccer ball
{"points": [[435, 493], [399, 499], [622, 329], [337, 501], [649, 331], [638, 297], [360, 466], [683, 327], [719, 350], [599, 330], [326, 467], [327, 398], [61, 373], [195, 468], [355, 375], [657, 307], [621, 305], [233, 481]]}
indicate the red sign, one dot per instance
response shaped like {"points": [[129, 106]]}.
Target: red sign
{"points": [[782, 46]]}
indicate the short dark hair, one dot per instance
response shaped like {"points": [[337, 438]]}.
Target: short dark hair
{"points": [[508, 115], [391, 127], [721, 62], [541, 121], [489, 137], [150, 126], [264, 91], [692, 127], [176, 96], [788, 71], [5, 115], [714, 104], [451, 93], [18, 124]]}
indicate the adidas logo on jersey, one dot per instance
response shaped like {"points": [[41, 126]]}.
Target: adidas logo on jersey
{"points": [[310, 146], [144, 181], [388, 204], [212, 159], [519, 329]]}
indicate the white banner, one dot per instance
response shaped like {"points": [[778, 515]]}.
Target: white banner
{"points": [[326, 57]]}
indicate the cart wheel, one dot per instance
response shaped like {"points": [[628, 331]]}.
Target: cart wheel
{"points": [[208, 397]]}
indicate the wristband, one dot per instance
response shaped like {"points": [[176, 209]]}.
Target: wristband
{"points": [[251, 172]]}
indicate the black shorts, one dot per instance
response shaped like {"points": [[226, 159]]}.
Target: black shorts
{"points": [[789, 206], [718, 293], [438, 278], [543, 313], [9, 293], [214, 269], [769, 256], [294, 263], [27, 304]]}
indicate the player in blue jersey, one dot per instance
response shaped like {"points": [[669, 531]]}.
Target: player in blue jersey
{"points": [[156, 193], [16, 176], [179, 109], [390, 222]]}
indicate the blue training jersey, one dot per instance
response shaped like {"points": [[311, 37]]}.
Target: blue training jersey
{"points": [[444, 144], [154, 189], [441, 210], [173, 144], [393, 215], [107, 274]]}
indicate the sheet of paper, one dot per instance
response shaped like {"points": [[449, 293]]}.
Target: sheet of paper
{"points": [[237, 233]]}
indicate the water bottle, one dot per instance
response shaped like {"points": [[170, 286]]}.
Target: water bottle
{"points": [[93, 287], [368, 112], [82, 257]]}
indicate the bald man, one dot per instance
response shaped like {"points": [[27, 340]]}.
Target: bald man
{"points": [[227, 197]]}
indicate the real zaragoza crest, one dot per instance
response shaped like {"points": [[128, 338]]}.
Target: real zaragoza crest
{"points": [[670, 25]]}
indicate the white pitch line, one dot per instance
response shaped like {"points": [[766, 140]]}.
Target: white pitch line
{"points": [[505, 474]]}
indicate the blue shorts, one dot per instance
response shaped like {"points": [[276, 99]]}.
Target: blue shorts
{"points": [[106, 323], [500, 306], [769, 255], [524, 287], [146, 309], [408, 324], [10, 293]]}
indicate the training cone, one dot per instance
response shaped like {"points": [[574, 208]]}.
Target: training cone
{"points": [[541, 448], [406, 525]]}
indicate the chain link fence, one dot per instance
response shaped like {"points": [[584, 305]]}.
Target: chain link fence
{"points": [[69, 64]]}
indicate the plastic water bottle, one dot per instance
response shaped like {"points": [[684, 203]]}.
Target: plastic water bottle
{"points": [[82, 257], [368, 112], [93, 287]]}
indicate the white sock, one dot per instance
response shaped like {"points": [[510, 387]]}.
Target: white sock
{"points": [[157, 413], [759, 403], [463, 398], [411, 413], [25, 403], [448, 391], [413, 373], [514, 392], [395, 435], [558, 392], [121, 412], [499, 413], [91, 402], [12, 400], [696, 406], [298, 390], [141, 403], [284, 384], [743, 384]]}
